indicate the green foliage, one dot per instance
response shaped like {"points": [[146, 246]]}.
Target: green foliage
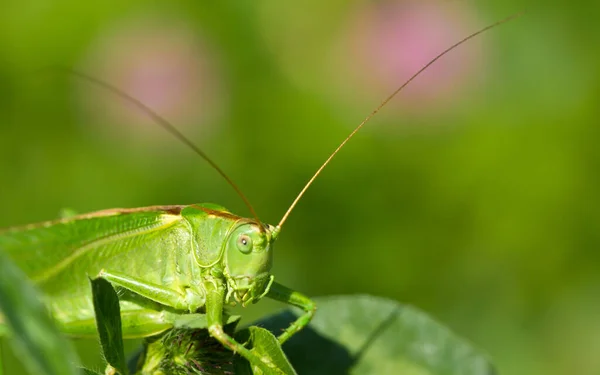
{"points": [[34, 336], [265, 345], [349, 335], [371, 335], [108, 322]]}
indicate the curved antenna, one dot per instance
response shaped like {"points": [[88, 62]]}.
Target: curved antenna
{"points": [[383, 104], [167, 126]]}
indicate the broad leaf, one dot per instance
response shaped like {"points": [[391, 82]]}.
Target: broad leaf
{"points": [[370, 335]]}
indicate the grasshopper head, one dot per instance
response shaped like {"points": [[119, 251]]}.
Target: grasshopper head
{"points": [[248, 260]]}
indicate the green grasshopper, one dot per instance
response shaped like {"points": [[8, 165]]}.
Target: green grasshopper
{"points": [[165, 260]]}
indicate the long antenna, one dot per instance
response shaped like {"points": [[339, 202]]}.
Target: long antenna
{"points": [[376, 110], [167, 126]]}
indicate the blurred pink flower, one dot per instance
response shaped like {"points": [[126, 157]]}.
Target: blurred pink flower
{"points": [[162, 63], [391, 41]]}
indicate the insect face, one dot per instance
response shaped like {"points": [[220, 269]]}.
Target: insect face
{"points": [[248, 260]]}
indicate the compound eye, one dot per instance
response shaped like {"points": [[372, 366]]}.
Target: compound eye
{"points": [[244, 243]]}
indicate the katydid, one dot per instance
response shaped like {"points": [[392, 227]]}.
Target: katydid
{"points": [[165, 260]]}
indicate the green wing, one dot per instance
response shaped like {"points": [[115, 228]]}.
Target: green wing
{"points": [[152, 244], [45, 249]]}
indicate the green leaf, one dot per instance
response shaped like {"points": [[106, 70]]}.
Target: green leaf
{"points": [[370, 335], [265, 345], [108, 321], [35, 338]]}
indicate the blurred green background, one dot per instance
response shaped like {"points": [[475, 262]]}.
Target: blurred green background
{"points": [[473, 196]]}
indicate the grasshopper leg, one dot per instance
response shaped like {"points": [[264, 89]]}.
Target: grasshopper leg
{"points": [[215, 298], [284, 294], [178, 300], [135, 323]]}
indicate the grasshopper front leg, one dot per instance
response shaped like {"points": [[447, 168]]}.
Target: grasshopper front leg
{"points": [[284, 294], [215, 298]]}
